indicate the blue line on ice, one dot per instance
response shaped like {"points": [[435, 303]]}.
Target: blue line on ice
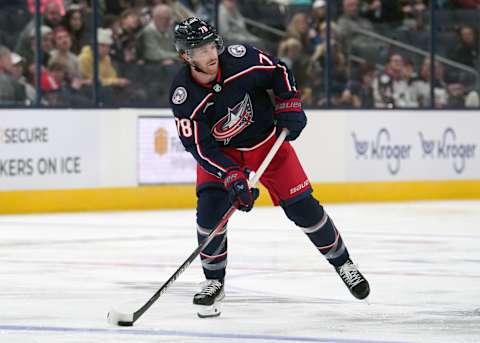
{"points": [[153, 332]]}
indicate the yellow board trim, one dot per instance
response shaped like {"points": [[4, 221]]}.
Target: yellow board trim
{"points": [[183, 196]]}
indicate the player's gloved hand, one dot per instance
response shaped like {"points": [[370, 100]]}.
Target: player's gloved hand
{"points": [[239, 194], [290, 115]]}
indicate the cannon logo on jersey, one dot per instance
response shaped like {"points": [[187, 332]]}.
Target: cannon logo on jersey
{"points": [[237, 120], [237, 50], [179, 96]]}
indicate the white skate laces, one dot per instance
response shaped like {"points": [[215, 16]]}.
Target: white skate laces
{"points": [[209, 299], [210, 287], [350, 274], [353, 279]]}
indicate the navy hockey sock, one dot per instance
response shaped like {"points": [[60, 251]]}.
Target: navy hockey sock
{"points": [[319, 228], [212, 203]]}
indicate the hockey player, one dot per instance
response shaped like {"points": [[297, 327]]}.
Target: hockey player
{"points": [[227, 121]]}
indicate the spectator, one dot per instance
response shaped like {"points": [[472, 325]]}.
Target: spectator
{"points": [[64, 92], [290, 50], [63, 44], [155, 43], [292, 53], [299, 29], [11, 91], [46, 44], [17, 72], [116, 91], [458, 96], [74, 22], [382, 12], [391, 89], [107, 73], [179, 11], [409, 71], [232, 26], [125, 33], [361, 89], [414, 15], [338, 67], [318, 35], [421, 86], [348, 36], [466, 51], [52, 19], [319, 13]]}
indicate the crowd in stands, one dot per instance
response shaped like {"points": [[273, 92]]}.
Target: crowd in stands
{"points": [[379, 50]]}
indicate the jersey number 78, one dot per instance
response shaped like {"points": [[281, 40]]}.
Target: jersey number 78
{"points": [[184, 127]]}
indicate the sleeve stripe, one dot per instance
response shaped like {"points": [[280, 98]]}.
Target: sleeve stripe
{"points": [[287, 81], [199, 150], [200, 105], [246, 71]]}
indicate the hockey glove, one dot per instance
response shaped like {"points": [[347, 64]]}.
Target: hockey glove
{"points": [[290, 115], [239, 194]]}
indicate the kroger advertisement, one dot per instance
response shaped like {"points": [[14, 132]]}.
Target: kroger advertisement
{"points": [[408, 145], [48, 150], [161, 156]]}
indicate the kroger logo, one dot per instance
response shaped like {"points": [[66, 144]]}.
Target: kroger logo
{"points": [[382, 149], [448, 148]]}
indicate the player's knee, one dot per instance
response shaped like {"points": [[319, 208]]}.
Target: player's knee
{"points": [[306, 212], [211, 205]]}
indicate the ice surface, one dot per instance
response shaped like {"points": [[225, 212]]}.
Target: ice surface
{"points": [[60, 275]]}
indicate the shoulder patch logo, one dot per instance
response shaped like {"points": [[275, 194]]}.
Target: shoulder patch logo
{"points": [[179, 96], [237, 50]]}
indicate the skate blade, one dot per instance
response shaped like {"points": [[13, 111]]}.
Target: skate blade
{"points": [[209, 311]]}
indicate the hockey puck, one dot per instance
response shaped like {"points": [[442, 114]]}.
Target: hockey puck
{"points": [[125, 324], [119, 319]]}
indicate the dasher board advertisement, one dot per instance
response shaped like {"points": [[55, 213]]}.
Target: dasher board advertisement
{"points": [[54, 149], [161, 156], [413, 146]]}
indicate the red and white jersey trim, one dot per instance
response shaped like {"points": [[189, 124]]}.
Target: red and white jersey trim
{"points": [[290, 87], [199, 150], [200, 105], [259, 144], [246, 71]]}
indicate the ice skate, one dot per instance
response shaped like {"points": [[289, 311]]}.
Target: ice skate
{"points": [[209, 299], [354, 280]]}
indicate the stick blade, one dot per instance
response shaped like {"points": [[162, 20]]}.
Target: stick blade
{"points": [[120, 319]]}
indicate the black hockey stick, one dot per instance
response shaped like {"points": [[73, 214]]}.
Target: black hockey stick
{"points": [[127, 319]]}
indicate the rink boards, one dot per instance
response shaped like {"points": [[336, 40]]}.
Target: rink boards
{"points": [[74, 160]]}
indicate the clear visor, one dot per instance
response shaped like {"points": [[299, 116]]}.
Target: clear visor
{"points": [[218, 42]]}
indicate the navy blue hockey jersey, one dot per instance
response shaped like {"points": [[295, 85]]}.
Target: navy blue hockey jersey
{"points": [[235, 111]]}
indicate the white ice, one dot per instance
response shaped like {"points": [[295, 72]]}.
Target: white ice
{"points": [[60, 274]]}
